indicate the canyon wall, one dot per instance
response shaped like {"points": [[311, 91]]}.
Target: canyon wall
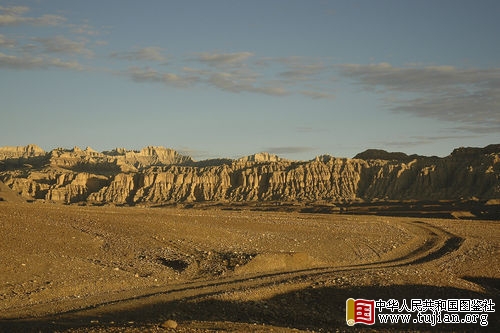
{"points": [[157, 175]]}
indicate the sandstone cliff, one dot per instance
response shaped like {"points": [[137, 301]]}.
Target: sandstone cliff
{"points": [[20, 152], [156, 175]]}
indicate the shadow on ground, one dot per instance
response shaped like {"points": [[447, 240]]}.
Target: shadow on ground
{"points": [[319, 309]]}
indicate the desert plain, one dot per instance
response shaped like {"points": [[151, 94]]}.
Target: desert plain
{"points": [[70, 268]]}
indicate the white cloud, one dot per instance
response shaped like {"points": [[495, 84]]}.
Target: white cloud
{"points": [[10, 19], [223, 59], [302, 72], [84, 29], [14, 10], [424, 79], [232, 72], [147, 74], [31, 62], [317, 94], [60, 44], [233, 81], [6, 42], [47, 20], [56, 62], [424, 140], [201, 72], [151, 53], [13, 15], [237, 83], [470, 98]]}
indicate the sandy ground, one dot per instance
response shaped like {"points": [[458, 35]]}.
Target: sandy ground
{"points": [[119, 269]]}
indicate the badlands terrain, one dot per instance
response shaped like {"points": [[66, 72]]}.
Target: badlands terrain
{"points": [[152, 241], [468, 179]]}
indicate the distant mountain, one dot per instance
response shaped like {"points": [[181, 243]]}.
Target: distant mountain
{"points": [[378, 154], [157, 175]]}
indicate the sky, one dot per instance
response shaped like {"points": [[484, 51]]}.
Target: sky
{"points": [[215, 79]]}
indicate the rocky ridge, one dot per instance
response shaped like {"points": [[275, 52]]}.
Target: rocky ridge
{"points": [[157, 175]]}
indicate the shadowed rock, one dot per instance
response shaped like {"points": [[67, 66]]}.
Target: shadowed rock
{"points": [[159, 176]]}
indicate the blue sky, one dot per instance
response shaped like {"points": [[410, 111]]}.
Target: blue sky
{"points": [[232, 78]]}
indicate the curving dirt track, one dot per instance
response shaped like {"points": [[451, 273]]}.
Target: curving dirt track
{"points": [[104, 269]]}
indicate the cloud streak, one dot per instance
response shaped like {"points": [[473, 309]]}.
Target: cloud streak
{"points": [[245, 72], [236, 72], [151, 53], [238, 83], [227, 81], [13, 15], [317, 94], [425, 79], [302, 72], [223, 59], [470, 98], [424, 140], [32, 62], [147, 74], [6, 42], [35, 53], [60, 44]]}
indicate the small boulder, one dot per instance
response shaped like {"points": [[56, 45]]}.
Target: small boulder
{"points": [[169, 324]]}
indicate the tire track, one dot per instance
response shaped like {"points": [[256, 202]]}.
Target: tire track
{"points": [[435, 243]]}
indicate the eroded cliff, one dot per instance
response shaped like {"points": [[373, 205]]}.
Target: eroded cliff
{"points": [[156, 175]]}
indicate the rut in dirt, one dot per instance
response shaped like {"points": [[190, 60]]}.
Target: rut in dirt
{"points": [[438, 243]]}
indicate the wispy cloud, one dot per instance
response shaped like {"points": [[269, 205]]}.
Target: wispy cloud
{"points": [[36, 62], [223, 59], [235, 82], [317, 94], [14, 10], [151, 53], [423, 79], [14, 15], [470, 98], [302, 72], [84, 29], [147, 74], [7, 42], [60, 44], [47, 52], [236, 72]]}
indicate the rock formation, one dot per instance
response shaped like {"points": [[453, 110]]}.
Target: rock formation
{"points": [[20, 152], [156, 175]]}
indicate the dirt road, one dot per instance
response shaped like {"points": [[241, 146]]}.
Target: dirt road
{"points": [[114, 269]]}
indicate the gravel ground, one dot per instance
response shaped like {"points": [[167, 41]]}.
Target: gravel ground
{"points": [[121, 269]]}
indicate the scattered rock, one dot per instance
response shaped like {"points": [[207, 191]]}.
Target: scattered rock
{"points": [[169, 324]]}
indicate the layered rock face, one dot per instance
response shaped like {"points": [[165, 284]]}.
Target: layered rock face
{"points": [[156, 175], [20, 152]]}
